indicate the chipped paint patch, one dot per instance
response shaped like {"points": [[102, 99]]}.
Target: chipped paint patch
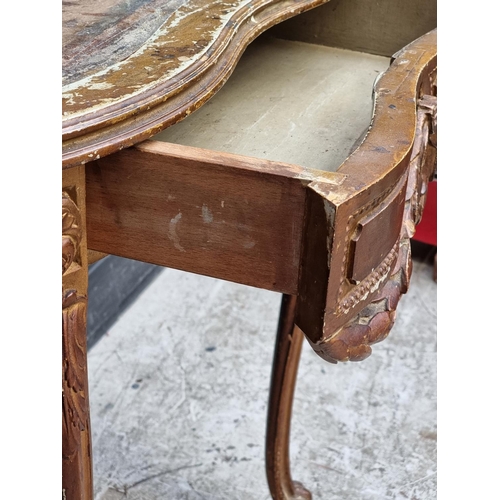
{"points": [[321, 176], [372, 289], [172, 232], [370, 285], [249, 243], [206, 214], [69, 100], [164, 40], [328, 191], [100, 86]]}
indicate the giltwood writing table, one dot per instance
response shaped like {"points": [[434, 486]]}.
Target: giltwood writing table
{"points": [[333, 239]]}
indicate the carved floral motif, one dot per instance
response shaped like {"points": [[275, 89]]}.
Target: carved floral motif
{"points": [[74, 371], [352, 341], [71, 231]]}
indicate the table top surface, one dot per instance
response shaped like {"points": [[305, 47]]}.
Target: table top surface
{"points": [[133, 67]]}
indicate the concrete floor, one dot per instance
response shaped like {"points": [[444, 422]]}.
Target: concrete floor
{"points": [[179, 393]]}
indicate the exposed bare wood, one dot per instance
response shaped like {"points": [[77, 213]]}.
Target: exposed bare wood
{"points": [[201, 211]]}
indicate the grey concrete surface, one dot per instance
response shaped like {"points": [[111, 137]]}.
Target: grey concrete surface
{"points": [[179, 393]]}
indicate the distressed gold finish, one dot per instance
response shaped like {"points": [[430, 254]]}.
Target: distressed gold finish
{"points": [[342, 316], [77, 465], [71, 231], [76, 437], [352, 342], [173, 73]]}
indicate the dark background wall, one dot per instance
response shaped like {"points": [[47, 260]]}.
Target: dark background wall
{"points": [[114, 284]]}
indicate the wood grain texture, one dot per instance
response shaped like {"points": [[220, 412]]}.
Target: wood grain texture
{"points": [[173, 73], [216, 214]]}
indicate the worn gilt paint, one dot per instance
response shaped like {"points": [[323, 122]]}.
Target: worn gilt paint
{"points": [[127, 80]]}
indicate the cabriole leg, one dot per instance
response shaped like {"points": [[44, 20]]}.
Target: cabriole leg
{"points": [[286, 361]]}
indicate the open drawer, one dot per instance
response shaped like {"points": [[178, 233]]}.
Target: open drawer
{"points": [[298, 177], [289, 102]]}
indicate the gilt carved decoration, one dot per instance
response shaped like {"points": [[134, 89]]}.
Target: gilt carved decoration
{"points": [[76, 442], [75, 414], [373, 323], [75, 404], [71, 231]]}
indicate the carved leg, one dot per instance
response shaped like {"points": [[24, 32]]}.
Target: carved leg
{"points": [[286, 361], [76, 442], [76, 445]]}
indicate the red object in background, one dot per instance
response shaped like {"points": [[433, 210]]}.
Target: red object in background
{"points": [[426, 231]]}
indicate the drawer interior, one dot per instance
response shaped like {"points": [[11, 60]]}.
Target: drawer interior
{"points": [[382, 27], [288, 101]]}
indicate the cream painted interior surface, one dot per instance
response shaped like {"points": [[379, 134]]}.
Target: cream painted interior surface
{"points": [[288, 101]]}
